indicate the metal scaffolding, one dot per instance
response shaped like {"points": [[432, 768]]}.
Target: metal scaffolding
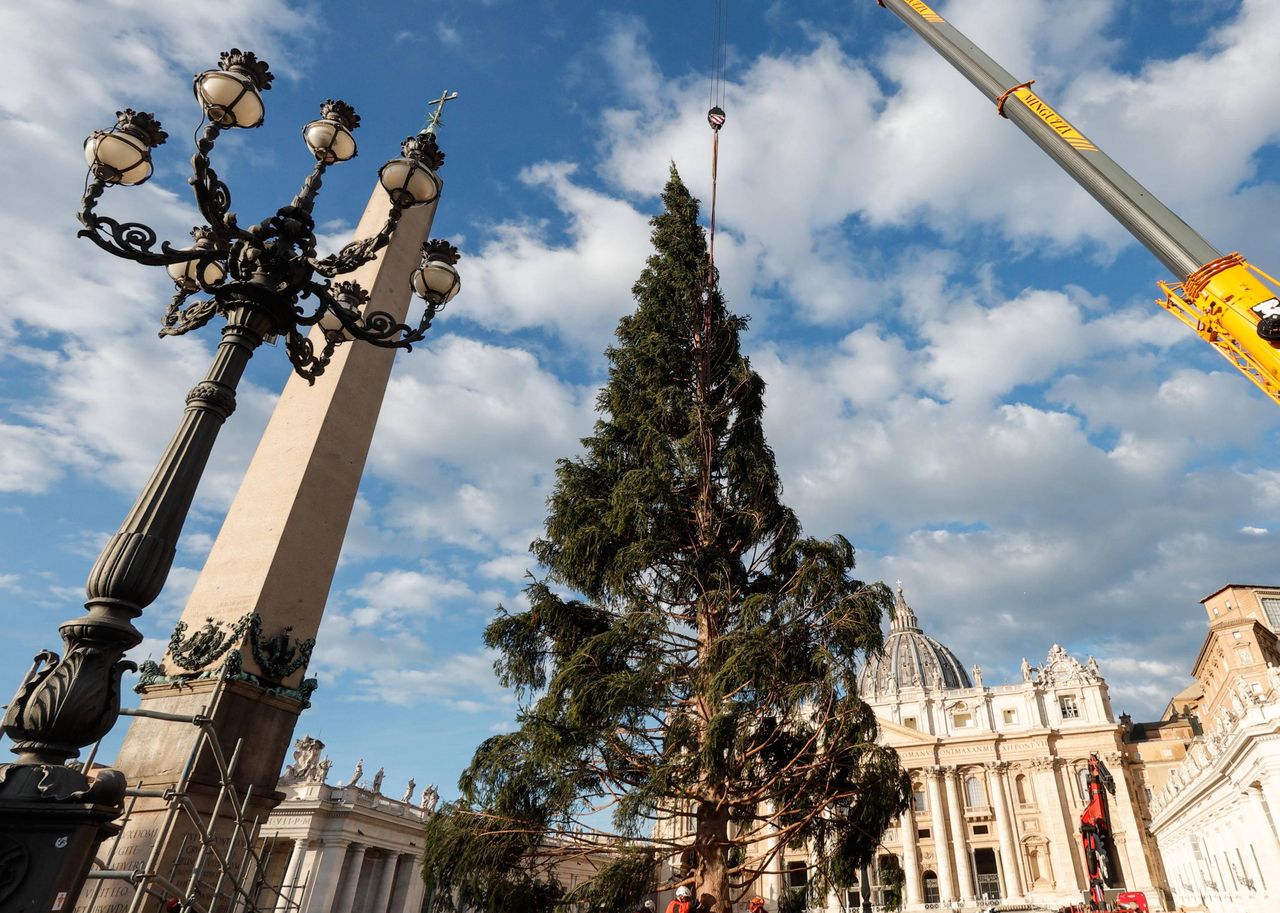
{"points": [[237, 879]]}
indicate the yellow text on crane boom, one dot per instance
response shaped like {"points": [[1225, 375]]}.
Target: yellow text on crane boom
{"points": [[926, 14], [1060, 125]]}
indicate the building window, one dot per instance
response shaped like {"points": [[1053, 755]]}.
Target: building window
{"points": [[1271, 606], [1082, 781], [931, 894], [981, 830], [1070, 709], [1020, 788], [1244, 656], [797, 874], [1009, 716], [974, 795], [962, 720], [924, 833], [918, 799]]}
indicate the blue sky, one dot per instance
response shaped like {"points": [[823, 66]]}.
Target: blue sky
{"points": [[966, 372]]}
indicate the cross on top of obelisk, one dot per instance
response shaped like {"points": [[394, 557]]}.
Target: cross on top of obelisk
{"points": [[434, 119]]}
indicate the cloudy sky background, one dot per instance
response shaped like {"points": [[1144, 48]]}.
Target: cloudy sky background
{"points": [[966, 373]]}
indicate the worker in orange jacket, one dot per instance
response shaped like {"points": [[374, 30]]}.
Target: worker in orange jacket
{"points": [[683, 902]]}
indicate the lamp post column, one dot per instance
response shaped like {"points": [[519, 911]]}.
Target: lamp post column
{"points": [[74, 700]]}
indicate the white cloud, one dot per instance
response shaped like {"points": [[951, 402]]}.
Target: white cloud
{"points": [[473, 431], [464, 682], [404, 592], [521, 278], [33, 458]]}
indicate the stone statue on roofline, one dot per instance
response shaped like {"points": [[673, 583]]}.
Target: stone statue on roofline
{"points": [[356, 775], [376, 788], [408, 793], [430, 798], [307, 766]]}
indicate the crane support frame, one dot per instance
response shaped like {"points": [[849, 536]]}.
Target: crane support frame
{"points": [[1224, 299]]}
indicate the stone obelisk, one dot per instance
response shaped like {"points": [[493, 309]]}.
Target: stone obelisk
{"points": [[240, 651]]}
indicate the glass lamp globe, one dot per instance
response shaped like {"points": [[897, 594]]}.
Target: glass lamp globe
{"points": [[329, 141], [189, 273], [409, 182], [333, 327], [229, 99], [117, 157], [436, 281]]}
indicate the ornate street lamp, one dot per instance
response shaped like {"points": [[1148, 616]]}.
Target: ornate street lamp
{"points": [[256, 279]]}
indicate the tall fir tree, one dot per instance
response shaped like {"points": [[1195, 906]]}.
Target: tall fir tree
{"points": [[703, 668]]}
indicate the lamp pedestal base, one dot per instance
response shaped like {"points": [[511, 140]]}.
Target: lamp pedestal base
{"points": [[47, 837]]}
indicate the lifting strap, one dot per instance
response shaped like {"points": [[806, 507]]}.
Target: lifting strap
{"points": [[716, 118]]}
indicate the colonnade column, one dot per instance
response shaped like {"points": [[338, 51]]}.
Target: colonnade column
{"points": [[324, 868], [1263, 825], [1011, 864], [288, 893], [946, 884], [386, 881], [778, 876], [350, 878], [417, 887], [910, 856], [959, 835], [1053, 807], [403, 872]]}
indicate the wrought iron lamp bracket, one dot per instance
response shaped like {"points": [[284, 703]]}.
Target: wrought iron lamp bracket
{"points": [[133, 240]]}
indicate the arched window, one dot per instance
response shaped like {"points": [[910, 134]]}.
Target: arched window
{"points": [[1020, 787], [1082, 780], [931, 893], [974, 795], [919, 800]]}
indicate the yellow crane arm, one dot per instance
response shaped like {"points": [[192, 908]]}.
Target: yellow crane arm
{"points": [[1229, 303]]}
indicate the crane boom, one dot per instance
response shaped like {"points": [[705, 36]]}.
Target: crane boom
{"points": [[1226, 300]]}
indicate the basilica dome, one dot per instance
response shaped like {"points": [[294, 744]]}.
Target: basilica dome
{"points": [[910, 659]]}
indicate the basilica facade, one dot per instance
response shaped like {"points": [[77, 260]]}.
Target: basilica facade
{"points": [[999, 774]]}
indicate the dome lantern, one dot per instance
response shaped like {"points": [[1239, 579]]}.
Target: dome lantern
{"points": [[910, 659]]}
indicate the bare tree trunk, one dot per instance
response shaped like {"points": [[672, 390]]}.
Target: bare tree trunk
{"points": [[711, 844]]}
